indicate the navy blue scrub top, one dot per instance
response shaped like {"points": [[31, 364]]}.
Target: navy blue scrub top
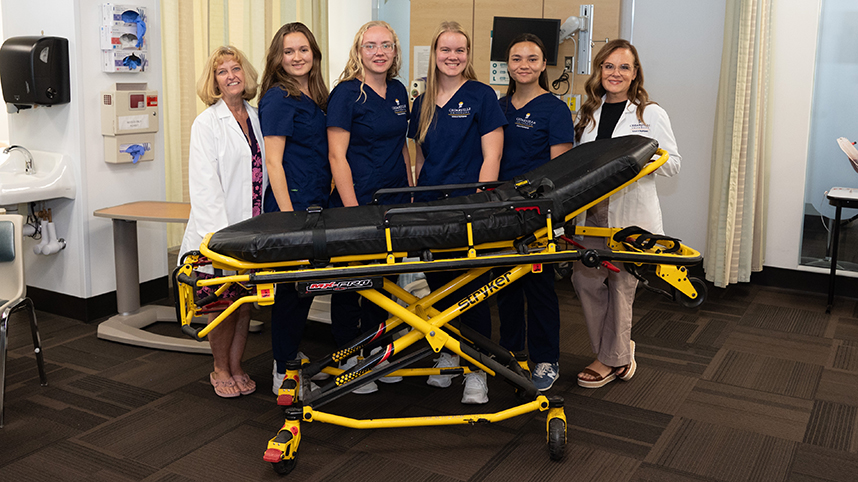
{"points": [[452, 150], [541, 123], [305, 157], [377, 127]]}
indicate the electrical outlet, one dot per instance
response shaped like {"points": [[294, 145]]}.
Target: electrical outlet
{"points": [[568, 65]]}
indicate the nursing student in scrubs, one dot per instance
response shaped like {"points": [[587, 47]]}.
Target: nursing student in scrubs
{"points": [[458, 127], [618, 105], [367, 122], [291, 112], [540, 129]]}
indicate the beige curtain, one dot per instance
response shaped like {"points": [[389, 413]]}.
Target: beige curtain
{"points": [[191, 29], [737, 209]]}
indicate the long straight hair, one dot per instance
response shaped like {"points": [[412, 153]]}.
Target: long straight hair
{"points": [[427, 109], [637, 94], [543, 77], [354, 67], [276, 76]]}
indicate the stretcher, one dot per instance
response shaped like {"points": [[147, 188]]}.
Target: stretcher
{"points": [[511, 230]]}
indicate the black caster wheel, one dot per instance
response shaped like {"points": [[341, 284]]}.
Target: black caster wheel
{"points": [[687, 302], [284, 466], [556, 438]]}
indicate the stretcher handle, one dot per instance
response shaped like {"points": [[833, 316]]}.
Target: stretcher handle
{"points": [[444, 188], [193, 332], [192, 281]]}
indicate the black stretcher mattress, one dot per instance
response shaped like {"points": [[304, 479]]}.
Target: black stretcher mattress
{"points": [[563, 185]]}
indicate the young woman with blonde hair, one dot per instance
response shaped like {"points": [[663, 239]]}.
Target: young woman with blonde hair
{"points": [[367, 122], [459, 136]]}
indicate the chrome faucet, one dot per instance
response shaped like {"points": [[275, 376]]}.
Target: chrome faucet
{"points": [[28, 158]]}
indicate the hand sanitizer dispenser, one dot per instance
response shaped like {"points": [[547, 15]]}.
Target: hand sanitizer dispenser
{"points": [[129, 121], [34, 71]]}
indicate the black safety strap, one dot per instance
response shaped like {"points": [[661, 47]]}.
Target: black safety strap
{"points": [[316, 223], [646, 240], [530, 189]]}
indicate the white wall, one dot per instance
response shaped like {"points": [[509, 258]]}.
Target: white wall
{"points": [[345, 17], [85, 268], [794, 29], [681, 66]]}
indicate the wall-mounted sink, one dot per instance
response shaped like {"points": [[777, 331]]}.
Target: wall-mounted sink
{"points": [[52, 177]]}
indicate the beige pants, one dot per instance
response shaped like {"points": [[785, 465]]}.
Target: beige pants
{"points": [[606, 299]]}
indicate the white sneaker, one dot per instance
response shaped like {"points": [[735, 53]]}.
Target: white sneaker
{"points": [[370, 387], [278, 379], [383, 364], [444, 361], [476, 390], [317, 377]]}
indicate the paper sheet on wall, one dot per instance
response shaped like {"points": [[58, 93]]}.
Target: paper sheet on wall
{"points": [[421, 61]]}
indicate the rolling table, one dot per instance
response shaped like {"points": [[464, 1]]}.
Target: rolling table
{"points": [[839, 198], [128, 326]]}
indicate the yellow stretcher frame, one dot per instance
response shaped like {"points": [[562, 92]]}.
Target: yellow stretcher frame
{"points": [[670, 258]]}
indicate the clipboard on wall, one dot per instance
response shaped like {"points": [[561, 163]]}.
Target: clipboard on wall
{"points": [[850, 151]]}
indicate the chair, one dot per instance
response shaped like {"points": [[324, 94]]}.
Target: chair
{"points": [[13, 294]]}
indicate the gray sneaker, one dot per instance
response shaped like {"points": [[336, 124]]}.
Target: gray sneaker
{"points": [[366, 389], [444, 361], [476, 390], [544, 375]]}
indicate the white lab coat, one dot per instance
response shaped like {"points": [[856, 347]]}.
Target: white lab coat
{"points": [[220, 173], [637, 205]]}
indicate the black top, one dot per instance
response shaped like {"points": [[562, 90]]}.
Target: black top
{"points": [[611, 113]]}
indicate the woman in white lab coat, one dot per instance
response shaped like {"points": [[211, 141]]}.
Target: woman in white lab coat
{"points": [[227, 179], [618, 105]]}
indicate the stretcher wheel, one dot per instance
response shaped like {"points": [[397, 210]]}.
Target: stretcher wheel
{"points": [[687, 302], [556, 438], [284, 466]]}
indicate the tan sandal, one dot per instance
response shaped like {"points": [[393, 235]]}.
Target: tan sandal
{"points": [[626, 372], [244, 383], [598, 380], [221, 387]]}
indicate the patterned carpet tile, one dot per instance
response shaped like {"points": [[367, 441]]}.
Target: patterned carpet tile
{"points": [[116, 392], [722, 453], [22, 435], [528, 460], [818, 464], [801, 348], [847, 328], [748, 410], [618, 428], [845, 356], [788, 320], [839, 387], [832, 425], [764, 373], [67, 460], [652, 389], [165, 430]]}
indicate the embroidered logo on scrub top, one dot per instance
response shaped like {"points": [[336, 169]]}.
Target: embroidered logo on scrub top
{"points": [[399, 109], [639, 127], [525, 123], [460, 112]]}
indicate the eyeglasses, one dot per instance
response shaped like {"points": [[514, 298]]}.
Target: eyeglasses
{"points": [[624, 69], [371, 48]]}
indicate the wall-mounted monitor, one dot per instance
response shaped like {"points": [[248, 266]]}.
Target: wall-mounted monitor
{"points": [[505, 29]]}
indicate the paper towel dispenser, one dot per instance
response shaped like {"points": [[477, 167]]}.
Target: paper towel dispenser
{"points": [[34, 71]]}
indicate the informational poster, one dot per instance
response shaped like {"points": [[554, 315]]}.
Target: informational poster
{"points": [[421, 61]]}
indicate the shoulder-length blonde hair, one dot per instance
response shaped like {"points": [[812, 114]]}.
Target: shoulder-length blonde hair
{"points": [[207, 88], [637, 94], [275, 76], [427, 109], [354, 67]]}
